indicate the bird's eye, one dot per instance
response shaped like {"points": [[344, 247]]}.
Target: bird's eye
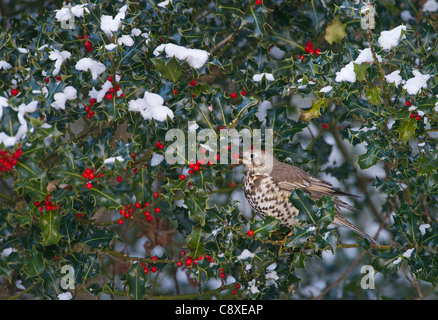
{"points": [[252, 155]]}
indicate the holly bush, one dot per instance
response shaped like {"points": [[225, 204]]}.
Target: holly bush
{"points": [[91, 209]]}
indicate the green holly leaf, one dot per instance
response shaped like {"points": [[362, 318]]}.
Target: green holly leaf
{"points": [[361, 71], [255, 20], [374, 95], [406, 130], [34, 264], [136, 282], [315, 111], [370, 157], [49, 224], [335, 31], [169, 70]]}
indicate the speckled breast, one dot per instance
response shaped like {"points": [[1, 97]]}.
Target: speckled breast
{"points": [[267, 199]]}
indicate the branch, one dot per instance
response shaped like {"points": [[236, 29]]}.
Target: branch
{"points": [[355, 262], [413, 281]]}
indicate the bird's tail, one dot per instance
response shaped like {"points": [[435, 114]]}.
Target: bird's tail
{"points": [[340, 221]]}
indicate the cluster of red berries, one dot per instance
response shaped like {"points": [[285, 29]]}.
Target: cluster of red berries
{"points": [[8, 160], [190, 261], [87, 44], [112, 90], [90, 113], [128, 210], [160, 145], [46, 204], [412, 114], [145, 266], [233, 95], [192, 84], [58, 78], [416, 116], [310, 49], [89, 174], [325, 126]]}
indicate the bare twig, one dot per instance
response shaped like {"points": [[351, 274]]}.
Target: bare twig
{"points": [[343, 275], [413, 281]]}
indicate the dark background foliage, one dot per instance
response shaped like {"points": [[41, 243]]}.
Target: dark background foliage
{"points": [[360, 135]]}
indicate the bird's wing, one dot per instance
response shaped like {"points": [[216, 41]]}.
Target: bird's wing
{"points": [[289, 178]]}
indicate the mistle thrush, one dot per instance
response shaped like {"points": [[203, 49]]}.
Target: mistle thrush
{"points": [[268, 189]]}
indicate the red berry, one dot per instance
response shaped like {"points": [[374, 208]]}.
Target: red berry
{"points": [[157, 210], [109, 96], [175, 91], [179, 264], [191, 165], [87, 43], [146, 204], [250, 233], [91, 176], [58, 78], [92, 101], [89, 185], [89, 48], [183, 253], [137, 205], [182, 177], [411, 115], [112, 90], [196, 167], [417, 117], [14, 92], [189, 261], [233, 292], [238, 286], [243, 93], [87, 109], [47, 80], [122, 212], [318, 52], [127, 215], [233, 95], [120, 221], [258, 2], [324, 125], [155, 195], [149, 218], [119, 179], [17, 154], [301, 57], [154, 269], [222, 275], [407, 103], [37, 203], [85, 175], [191, 172], [110, 79]]}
